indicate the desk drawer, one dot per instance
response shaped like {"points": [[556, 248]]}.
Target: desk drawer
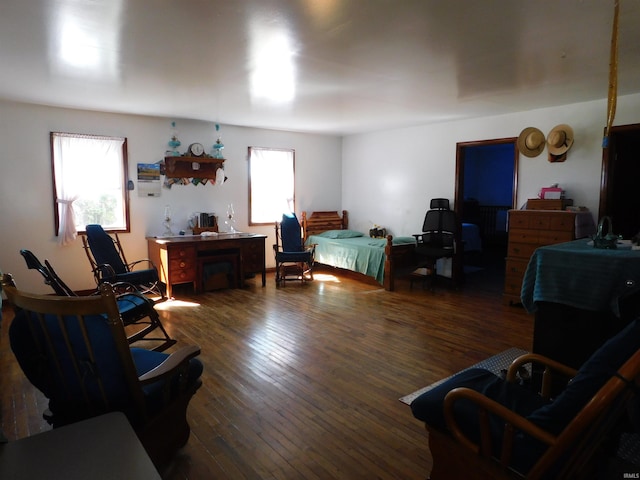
{"points": [[182, 274], [182, 252], [182, 264], [253, 256]]}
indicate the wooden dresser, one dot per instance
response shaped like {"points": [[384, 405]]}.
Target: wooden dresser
{"points": [[528, 230]]}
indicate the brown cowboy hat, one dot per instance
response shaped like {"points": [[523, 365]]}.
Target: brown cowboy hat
{"points": [[531, 142], [560, 139]]}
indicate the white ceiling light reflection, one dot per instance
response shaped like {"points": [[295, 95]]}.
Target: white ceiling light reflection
{"points": [[272, 68], [84, 42]]}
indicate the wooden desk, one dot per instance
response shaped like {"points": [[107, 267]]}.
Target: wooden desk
{"points": [[179, 259], [104, 447]]}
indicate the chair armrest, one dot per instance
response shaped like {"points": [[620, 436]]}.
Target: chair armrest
{"points": [[102, 269], [170, 365], [147, 260], [122, 288], [550, 367], [512, 423]]}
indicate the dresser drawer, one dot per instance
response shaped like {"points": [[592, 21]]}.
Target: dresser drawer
{"points": [[565, 222], [555, 236], [540, 221], [518, 219], [513, 285], [516, 267], [518, 235], [521, 250]]}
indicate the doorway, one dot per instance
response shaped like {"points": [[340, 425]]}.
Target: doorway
{"points": [[486, 185], [619, 198]]}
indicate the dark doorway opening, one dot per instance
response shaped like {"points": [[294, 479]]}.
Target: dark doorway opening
{"points": [[619, 198], [486, 179]]}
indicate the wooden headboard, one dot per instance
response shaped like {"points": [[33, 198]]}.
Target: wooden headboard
{"points": [[319, 222]]}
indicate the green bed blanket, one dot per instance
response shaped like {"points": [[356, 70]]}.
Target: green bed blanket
{"points": [[357, 252]]}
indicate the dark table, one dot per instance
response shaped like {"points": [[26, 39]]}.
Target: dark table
{"points": [[576, 292]]}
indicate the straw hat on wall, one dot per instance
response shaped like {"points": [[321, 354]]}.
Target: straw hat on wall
{"points": [[531, 142], [560, 139]]}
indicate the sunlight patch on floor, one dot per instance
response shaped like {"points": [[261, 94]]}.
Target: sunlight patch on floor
{"points": [[325, 277], [175, 303]]}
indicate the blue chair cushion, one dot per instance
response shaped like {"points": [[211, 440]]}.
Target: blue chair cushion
{"points": [[428, 407], [591, 377], [101, 379], [290, 234], [136, 277], [129, 302], [293, 257]]}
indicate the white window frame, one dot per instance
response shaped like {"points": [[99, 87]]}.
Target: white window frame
{"points": [[85, 169], [271, 184]]}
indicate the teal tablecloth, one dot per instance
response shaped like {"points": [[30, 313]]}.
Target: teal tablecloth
{"points": [[578, 275]]}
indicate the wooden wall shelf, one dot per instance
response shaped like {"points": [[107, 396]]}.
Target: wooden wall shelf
{"points": [[182, 167]]}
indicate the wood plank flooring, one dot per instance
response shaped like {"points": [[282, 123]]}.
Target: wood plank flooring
{"points": [[303, 382]]}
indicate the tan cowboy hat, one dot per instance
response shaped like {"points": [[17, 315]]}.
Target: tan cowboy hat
{"points": [[560, 139], [531, 142]]}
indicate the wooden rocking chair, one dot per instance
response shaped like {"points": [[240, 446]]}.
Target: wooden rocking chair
{"points": [[484, 427]]}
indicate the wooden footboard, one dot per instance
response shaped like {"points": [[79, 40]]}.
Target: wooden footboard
{"points": [[399, 260]]}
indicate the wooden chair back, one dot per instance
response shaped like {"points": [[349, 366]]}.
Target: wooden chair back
{"points": [[571, 454], [85, 366], [76, 352]]}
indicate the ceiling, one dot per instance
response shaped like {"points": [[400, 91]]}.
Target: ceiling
{"points": [[326, 66]]}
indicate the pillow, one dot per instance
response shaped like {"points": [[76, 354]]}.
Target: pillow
{"points": [[340, 234], [593, 374]]}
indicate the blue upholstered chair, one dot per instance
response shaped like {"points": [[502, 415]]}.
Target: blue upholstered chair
{"points": [[484, 426], [294, 260], [75, 351], [137, 311], [109, 264]]}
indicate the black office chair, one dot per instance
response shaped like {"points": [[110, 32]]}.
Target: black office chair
{"points": [[437, 239], [136, 309]]}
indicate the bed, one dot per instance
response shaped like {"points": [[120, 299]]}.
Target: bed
{"points": [[380, 258]]}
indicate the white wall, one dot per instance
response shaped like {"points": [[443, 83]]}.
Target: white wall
{"points": [[388, 177], [26, 192], [383, 177]]}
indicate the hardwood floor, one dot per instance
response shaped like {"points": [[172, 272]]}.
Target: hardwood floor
{"points": [[303, 381]]}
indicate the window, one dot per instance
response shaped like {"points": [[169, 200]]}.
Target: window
{"points": [[271, 184], [89, 183]]}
